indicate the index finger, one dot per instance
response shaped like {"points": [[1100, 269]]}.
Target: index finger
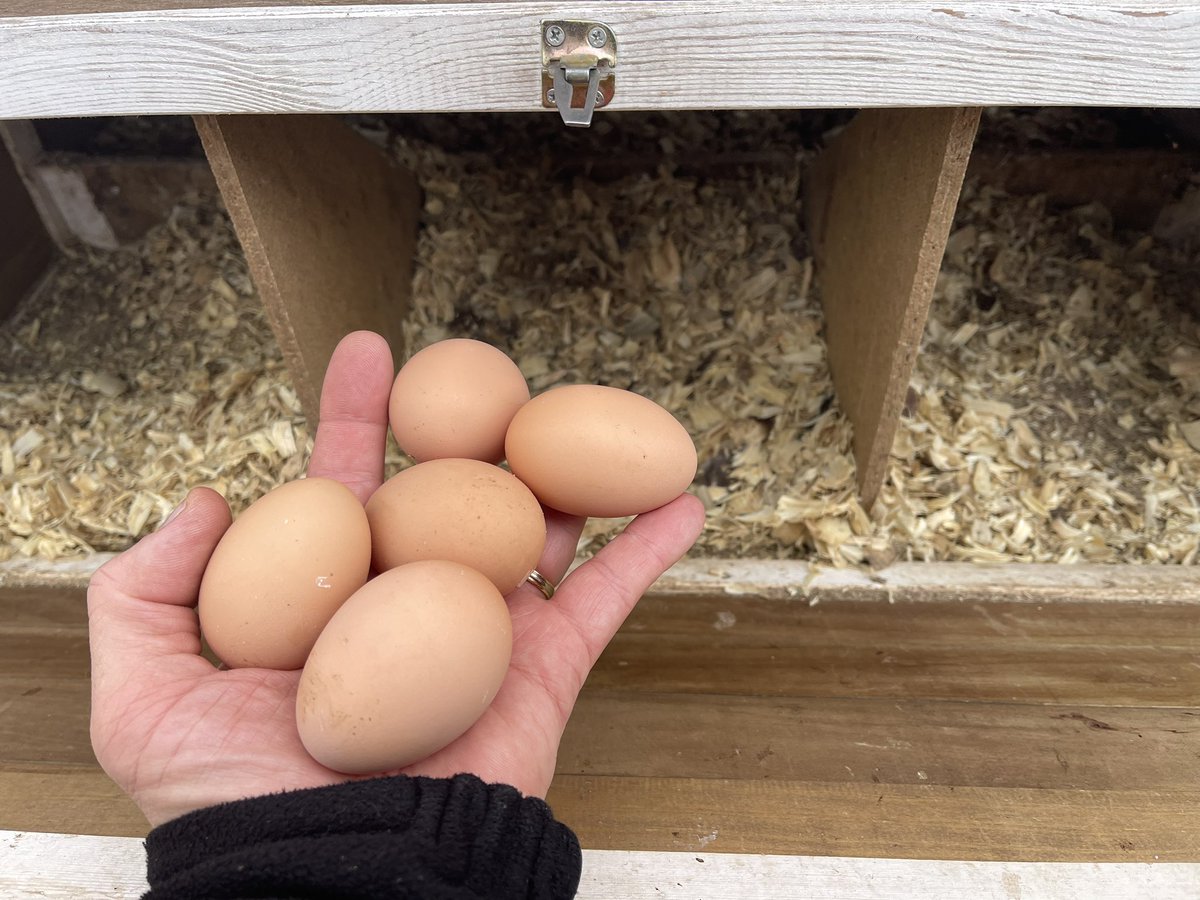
{"points": [[352, 432]]}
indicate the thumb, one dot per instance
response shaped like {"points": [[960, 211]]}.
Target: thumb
{"points": [[139, 603]]}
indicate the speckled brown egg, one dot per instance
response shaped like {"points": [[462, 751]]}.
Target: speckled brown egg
{"points": [[454, 400], [463, 510], [281, 571], [591, 450], [408, 664]]}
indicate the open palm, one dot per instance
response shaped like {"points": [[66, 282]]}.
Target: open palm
{"points": [[179, 734]]}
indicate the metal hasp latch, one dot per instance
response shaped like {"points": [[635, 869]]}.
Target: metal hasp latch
{"points": [[578, 63]]}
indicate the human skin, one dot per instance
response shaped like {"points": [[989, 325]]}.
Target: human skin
{"points": [[178, 734]]}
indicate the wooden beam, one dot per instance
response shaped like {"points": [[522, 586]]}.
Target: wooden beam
{"points": [[74, 865], [328, 225], [787, 580], [26, 249], [822, 819], [880, 201], [401, 57]]}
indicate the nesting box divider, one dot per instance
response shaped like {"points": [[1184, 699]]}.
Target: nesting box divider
{"points": [[328, 225], [26, 248], [880, 201]]}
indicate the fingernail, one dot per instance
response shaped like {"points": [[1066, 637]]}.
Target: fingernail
{"points": [[174, 514]]}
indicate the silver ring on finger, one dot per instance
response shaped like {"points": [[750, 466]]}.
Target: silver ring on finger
{"points": [[542, 583]]}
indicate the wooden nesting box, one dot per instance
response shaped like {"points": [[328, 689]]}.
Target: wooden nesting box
{"points": [[1004, 713]]}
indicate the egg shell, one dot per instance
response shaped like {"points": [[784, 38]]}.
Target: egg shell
{"points": [[454, 399], [601, 451], [281, 571], [462, 510], [407, 665]]}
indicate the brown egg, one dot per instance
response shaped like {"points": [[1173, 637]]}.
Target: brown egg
{"points": [[281, 571], [600, 451], [454, 399], [463, 510], [407, 665]]}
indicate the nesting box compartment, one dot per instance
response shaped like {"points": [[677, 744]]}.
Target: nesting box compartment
{"points": [[917, 398]]}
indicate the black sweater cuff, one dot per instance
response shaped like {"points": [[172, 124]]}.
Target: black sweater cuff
{"points": [[397, 837]]}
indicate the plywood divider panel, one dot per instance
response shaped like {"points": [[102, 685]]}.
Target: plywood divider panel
{"points": [[328, 225], [881, 199], [26, 249]]}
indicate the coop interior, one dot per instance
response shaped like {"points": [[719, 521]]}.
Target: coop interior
{"points": [[816, 677]]}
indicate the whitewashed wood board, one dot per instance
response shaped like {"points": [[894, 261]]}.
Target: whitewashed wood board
{"points": [[796, 580], [673, 54], [34, 864]]}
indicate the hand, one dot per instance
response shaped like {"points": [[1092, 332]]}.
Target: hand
{"points": [[178, 734]]}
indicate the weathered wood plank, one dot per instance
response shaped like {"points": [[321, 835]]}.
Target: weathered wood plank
{"points": [[42, 607], [45, 721], [867, 742], [44, 653], [784, 579], [925, 821], [1111, 655], [631, 733], [328, 226], [73, 865], [393, 57], [759, 816], [76, 7], [1034, 583], [880, 201], [80, 800]]}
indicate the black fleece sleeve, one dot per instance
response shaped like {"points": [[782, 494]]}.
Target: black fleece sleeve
{"points": [[397, 837]]}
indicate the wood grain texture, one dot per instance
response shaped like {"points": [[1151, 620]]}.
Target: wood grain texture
{"points": [[790, 580], [726, 723], [45, 721], [77, 7], [26, 249], [328, 226], [78, 799], [794, 580], [1098, 655], [655, 735], [798, 817], [401, 57], [880, 202], [74, 865]]}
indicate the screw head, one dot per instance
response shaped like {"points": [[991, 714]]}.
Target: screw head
{"points": [[597, 36], [599, 98], [550, 95], [555, 35]]}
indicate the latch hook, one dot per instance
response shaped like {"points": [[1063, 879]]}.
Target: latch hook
{"points": [[577, 54]]}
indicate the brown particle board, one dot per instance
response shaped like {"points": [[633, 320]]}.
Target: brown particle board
{"points": [[880, 202], [328, 226]]}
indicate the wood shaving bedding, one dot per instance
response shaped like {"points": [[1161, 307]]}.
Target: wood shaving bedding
{"points": [[1049, 418]]}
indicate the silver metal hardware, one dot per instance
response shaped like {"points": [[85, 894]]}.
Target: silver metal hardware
{"points": [[578, 72]]}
